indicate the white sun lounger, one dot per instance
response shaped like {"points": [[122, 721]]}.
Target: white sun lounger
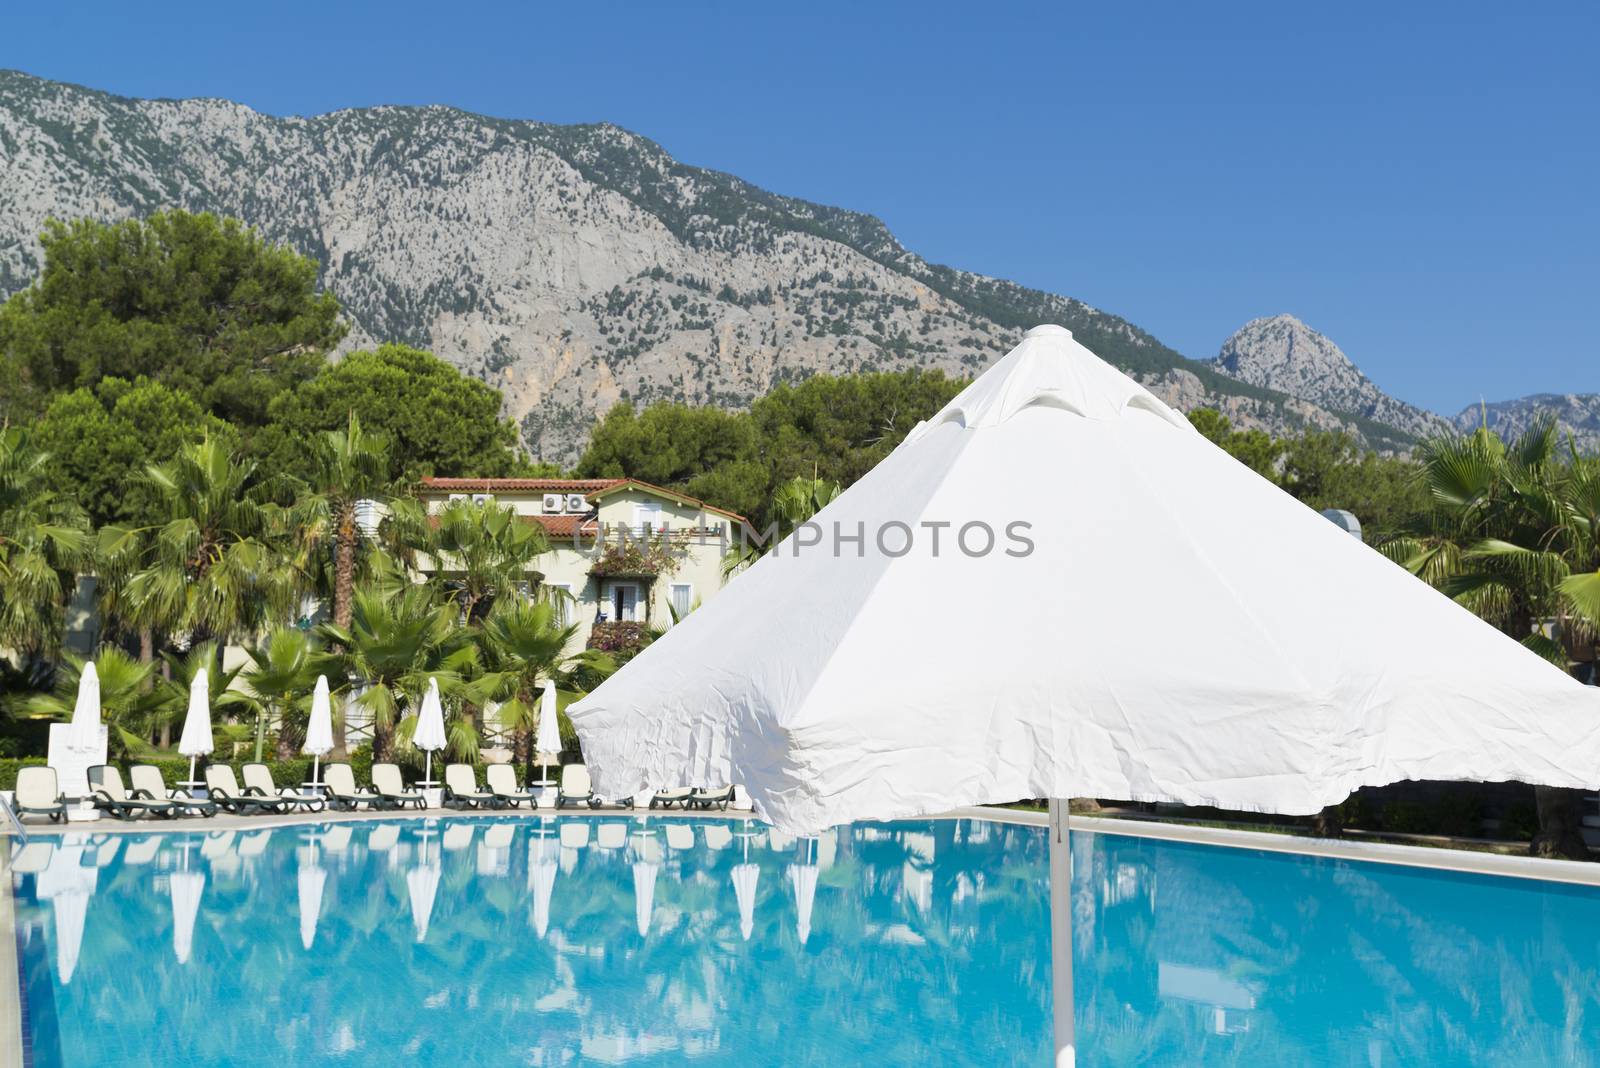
{"points": [[110, 795], [576, 787], [461, 789], [39, 794]]}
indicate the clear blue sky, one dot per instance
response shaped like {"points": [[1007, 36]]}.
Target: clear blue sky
{"points": [[1416, 180]]}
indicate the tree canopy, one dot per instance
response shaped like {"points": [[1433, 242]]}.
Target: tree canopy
{"points": [[435, 420], [834, 428], [202, 304]]}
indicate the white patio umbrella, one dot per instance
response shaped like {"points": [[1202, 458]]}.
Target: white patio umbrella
{"points": [[429, 735], [196, 738], [803, 880], [745, 877], [544, 862], [547, 740], [310, 881], [644, 893], [187, 888], [1053, 520], [422, 885], [85, 732], [319, 729], [68, 884]]}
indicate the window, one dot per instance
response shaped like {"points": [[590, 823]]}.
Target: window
{"points": [[483, 498], [623, 602], [458, 496], [682, 600], [647, 515], [560, 597]]}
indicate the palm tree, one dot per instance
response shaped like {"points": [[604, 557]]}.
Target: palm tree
{"points": [[45, 543], [129, 710], [278, 683], [397, 639], [350, 466], [479, 551], [213, 568], [794, 504], [524, 647], [1508, 528]]}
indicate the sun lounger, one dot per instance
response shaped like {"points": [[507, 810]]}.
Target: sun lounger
{"points": [[502, 782], [709, 799], [142, 851], [461, 789], [337, 840], [110, 795], [147, 782], [218, 844], [32, 858], [575, 787], [391, 788], [382, 839], [258, 783], [38, 794], [224, 788], [340, 782], [668, 798], [255, 843]]}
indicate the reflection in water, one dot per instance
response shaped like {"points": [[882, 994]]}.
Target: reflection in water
{"points": [[662, 941]]}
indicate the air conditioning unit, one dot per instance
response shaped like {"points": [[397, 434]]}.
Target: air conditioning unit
{"points": [[553, 503], [576, 503]]}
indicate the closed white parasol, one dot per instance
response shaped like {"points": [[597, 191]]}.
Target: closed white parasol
{"points": [[319, 729], [195, 741], [429, 734]]}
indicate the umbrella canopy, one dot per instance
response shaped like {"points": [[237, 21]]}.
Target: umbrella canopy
{"points": [[186, 887], [68, 884], [548, 739], [644, 893], [310, 881], [1052, 522], [745, 877], [196, 738], [429, 735], [422, 885], [544, 861], [1305, 664], [319, 729], [86, 712]]}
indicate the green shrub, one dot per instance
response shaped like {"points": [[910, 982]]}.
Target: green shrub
{"points": [[9, 768]]}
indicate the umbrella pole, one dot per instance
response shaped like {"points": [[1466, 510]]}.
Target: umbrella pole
{"points": [[427, 768], [316, 769], [191, 773], [1061, 931]]}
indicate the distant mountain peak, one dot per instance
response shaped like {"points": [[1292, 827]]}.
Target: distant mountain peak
{"points": [[1280, 352]]}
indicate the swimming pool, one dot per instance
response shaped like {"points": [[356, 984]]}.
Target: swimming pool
{"points": [[611, 940]]}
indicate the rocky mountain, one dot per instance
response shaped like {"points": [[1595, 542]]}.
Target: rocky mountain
{"points": [[573, 266], [1578, 414], [1282, 353]]}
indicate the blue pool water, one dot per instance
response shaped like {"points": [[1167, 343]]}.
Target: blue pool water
{"points": [[605, 940]]}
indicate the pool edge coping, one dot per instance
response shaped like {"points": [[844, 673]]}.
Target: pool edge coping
{"points": [[1572, 872]]}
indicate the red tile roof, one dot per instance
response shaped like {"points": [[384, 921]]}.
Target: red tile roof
{"points": [[546, 485], [594, 487]]}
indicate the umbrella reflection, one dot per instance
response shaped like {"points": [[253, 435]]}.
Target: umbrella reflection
{"points": [[544, 854], [422, 885]]}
